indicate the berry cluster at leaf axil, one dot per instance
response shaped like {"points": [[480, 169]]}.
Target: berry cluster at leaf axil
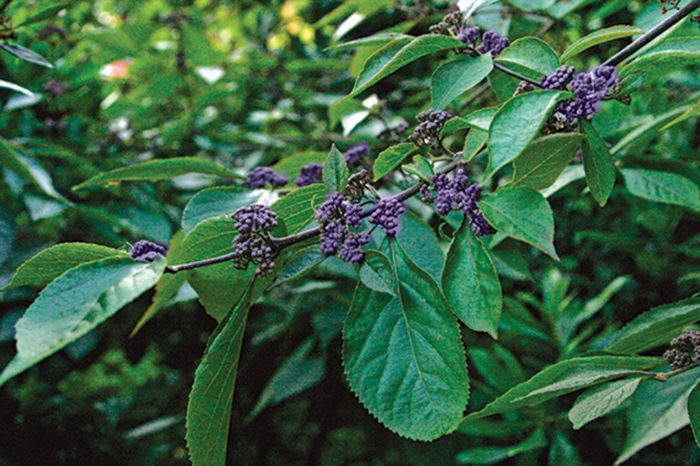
{"points": [[685, 350], [253, 243], [148, 251]]}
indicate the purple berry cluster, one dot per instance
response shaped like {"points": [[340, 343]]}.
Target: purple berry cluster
{"points": [[386, 215], [685, 350], [55, 88], [493, 43], [590, 88], [261, 176], [335, 215], [558, 79], [469, 35], [458, 194], [148, 251], [431, 123], [309, 174], [356, 152], [253, 244]]}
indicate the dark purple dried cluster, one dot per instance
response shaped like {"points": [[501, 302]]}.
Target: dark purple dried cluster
{"points": [[253, 244], [685, 350], [590, 88], [469, 35], [309, 174], [356, 152], [386, 215], [558, 79], [261, 176], [55, 88], [458, 194], [335, 215], [46, 31], [431, 123], [449, 25], [144, 250], [493, 43]]}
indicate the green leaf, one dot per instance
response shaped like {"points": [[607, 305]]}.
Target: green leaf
{"points": [[691, 112], [403, 355], [292, 165], [419, 241], [159, 169], [377, 273], [218, 286], [541, 163], [654, 327], [217, 201], [657, 410], [46, 13], [458, 76], [209, 405], [298, 372], [297, 208], [168, 285], [490, 455], [16, 87], [601, 400], [531, 5], [523, 214], [48, 264], [473, 143], [638, 139], [516, 123], [530, 56], [335, 171], [299, 264], [694, 413], [599, 37], [76, 302], [391, 158], [376, 39], [399, 53], [421, 168], [25, 54], [471, 284], [597, 164], [662, 58], [480, 119], [565, 377], [660, 186]]}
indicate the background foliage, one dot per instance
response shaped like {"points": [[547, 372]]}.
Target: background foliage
{"points": [[245, 84]]}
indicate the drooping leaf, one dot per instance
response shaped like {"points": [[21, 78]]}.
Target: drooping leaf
{"points": [[75, 303], [599, 401], [530, 56], [471, 284], [399, 53], [335, 170], [217, 201], [523, 214], [657, 410], [597, 164], [541, 163], [160, 169], [661, 186], [211, 397], [47, 265], [377, 272], [516, 123], [599, 37], [458, 76], [654, 327], [25, 54], [694, 413], [297, 208], [490, 455], [403, 355], [391, 158], [565, 377]]}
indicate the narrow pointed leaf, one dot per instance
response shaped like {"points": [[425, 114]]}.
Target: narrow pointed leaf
{"points": [[25, 54], [391, 158], [491, 455], [541, 163], [694, 413], [456, 77], [471, 284], [599, 37], [335, 171], [75, 303], [601, 400], [16, 88], [403, 355], [597, 164]]}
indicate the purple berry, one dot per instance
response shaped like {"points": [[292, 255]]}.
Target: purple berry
{"points": [[350, 250], [148, 251], [356, 152], [558, 79], [386, 215], [255, 218], [469, 35], [480, 226], [493, 43], [353, 215], [261, 176], [332, 235], [333, 207], [309, 174]]}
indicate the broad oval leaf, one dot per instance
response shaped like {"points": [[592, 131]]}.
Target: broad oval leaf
{"points": [[480, 119], [516, 123], [660, 186], [335, 170], [211, 397], [542, 162], [48, 264], [599, 401], [565, 377], [399, 53], [599, 37], [530, 56], [523, 214], [76, 302], [25, 54], [597, 164], [297, 208], [391, 158], [403, 355], [160, 169], [471, 284], [458, 76], [217, 201]]}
